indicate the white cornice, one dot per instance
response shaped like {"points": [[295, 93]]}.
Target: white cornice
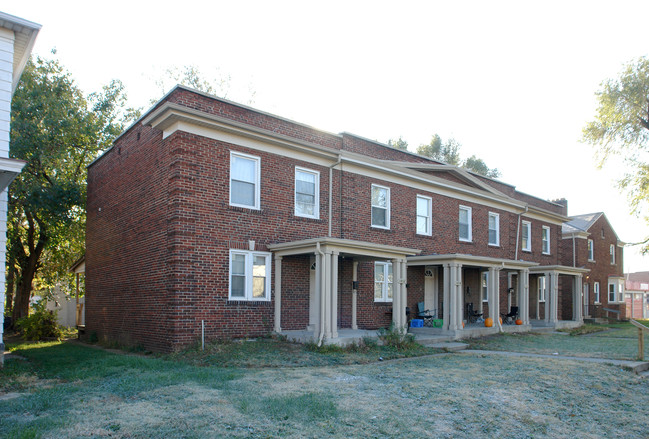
{"points": [[464, 259], [348, 246]]}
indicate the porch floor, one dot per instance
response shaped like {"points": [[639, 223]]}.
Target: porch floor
{"points": [[428, 335]]}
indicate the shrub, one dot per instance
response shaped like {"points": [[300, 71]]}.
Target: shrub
{"points": [[397, 338], [40, 325]]}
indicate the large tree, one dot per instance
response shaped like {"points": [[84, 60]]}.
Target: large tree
{"points": [[621, 128], [58, 132]]}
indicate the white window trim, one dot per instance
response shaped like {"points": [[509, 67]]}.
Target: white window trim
{"points": [[544, 289], [257, 161], [429, 217], [527, 246], [387, 208], [497, 217], [470, 219], [248, 271], [591, 253], [543, 241], [611, 251], [384, 286], [596, 293], [316, 209]]}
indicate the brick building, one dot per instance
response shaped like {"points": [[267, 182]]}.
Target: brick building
{"points": [[207, 211], [589, 241], [637, 295]]}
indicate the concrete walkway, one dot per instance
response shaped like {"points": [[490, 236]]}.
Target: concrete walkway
{"points": [[638, 367]]}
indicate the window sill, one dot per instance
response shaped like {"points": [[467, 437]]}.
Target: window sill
{"points": [[494, 245], [465, 241], [546, 254], [313, 218], [387, 229], [424, 234], [526, 250]]}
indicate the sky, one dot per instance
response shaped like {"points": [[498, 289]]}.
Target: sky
{"points": [[514, 82]]}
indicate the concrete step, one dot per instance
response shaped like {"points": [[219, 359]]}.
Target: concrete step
{"points": [[447, 346]]}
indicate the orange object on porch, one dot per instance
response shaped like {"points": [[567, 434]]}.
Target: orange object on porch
{"points": [[519, 322], [488, 322]]}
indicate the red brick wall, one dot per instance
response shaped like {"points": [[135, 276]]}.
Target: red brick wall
{"points": [[158, 251]]}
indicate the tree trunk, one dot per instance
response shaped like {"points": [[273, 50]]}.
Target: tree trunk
{"points": [[28, 265], [11, 277]]}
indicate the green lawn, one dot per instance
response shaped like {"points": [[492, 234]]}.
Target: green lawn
{"points": [[70, 391], [617, 341]]}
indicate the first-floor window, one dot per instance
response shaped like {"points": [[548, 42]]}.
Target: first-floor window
{"points": [[596, 291], [484, 286], [249, 275], [542, 288], [383, 282], [616, 290]]}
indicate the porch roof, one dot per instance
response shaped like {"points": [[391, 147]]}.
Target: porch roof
{"points": [[464, 259], [561, 269], [342, 246]]}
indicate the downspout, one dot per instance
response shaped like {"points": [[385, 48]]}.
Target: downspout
{"points": [[322, 297], [331, 174], [518, 233], [574, 255]]}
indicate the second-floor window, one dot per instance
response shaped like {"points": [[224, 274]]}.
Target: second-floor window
{"points": [[424, 213], [494, 229], [591, 253], [612, 252], [307, 185], [383, 282], [527, 236], [244, 180], [380, 207], [465, 224], [546, 240]]}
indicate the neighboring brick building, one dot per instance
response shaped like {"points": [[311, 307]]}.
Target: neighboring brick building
{"points": [[590, 242], [637, 295], [209, 211]]}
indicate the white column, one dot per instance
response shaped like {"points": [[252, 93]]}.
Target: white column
{"points": [[548, 298], [327, 294], [404, 291], [446, 315], [318, 324], [551, 302], [494, 294], [278, 294], [334, 295], [396, 295], [578, 310], [524, 295], [455, 283], [354, 294]]}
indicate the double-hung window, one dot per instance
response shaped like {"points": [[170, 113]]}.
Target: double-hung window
{"points": [[465, 224], [546, 240], [424, 214], [380, 207], [484, 282], [307, 193], [616, 290], [244, 180], [383, 282], [249, 275], [612, 252], [591, 252], [527, 236], [494, 229], [596, 292], [542, 288]]}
